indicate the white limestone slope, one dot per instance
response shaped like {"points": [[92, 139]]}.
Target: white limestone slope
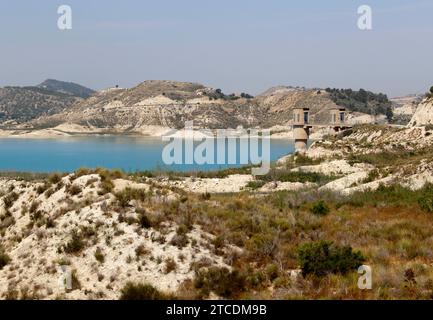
{"points": [[423, 114]]}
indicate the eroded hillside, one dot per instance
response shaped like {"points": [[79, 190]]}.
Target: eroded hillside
{"points": [[171, 104]]}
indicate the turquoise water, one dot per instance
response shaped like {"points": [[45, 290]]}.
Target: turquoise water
{"points": [[127, 153]]}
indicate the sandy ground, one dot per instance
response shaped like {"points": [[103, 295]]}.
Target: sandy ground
{"points": [[233, 183]]}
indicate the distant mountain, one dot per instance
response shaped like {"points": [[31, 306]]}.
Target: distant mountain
{"points": [[21, 104], [67, 88]]}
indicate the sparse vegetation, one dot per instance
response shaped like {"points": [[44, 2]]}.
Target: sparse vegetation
{"points": [[286, 175], [361, 101], [4, 258], [221, 281], [9, 199], [99, 255], [170, 265], [144, 220], [75, 244], [128, 194], [425, 199], [43, 187], [262, 238], [55, 178], [255, 184], [17, 103], [73, 189], [142, 291]]}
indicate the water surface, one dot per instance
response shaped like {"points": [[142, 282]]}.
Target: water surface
{"points": [[127, 153]]}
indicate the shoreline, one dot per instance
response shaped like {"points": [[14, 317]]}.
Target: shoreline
{"points": [[161, 132], [149, 131]]}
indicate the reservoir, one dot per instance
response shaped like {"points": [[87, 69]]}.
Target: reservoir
{"points": [[114, 152]]}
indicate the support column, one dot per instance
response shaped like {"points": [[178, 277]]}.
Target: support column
{"points": [[301, 135], [301, 128]]}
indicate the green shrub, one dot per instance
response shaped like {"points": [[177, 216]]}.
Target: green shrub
{"points": [[221, 281], [170, 265], [75, 282], [372, 176], [319, 208], [304, 160], [106, 174], [34, 206], [99, 255], [75, 244], [50, 223], [255, 184], [106, 186], [128, 194], [55, 178], [323, 257], [144, 221], [286, 175], [4, 259], [205, 196], [49, 192], [141, 250], [43, 187], [272, 272], [393, 195], [142, 291], [262, 245], [82, 172], [73, 189], [426, 204], [425, 200], [179, 240], [10, 199]]}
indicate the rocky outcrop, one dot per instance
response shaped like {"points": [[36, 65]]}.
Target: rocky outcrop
{"points": [[375, 155], [423, 114]]}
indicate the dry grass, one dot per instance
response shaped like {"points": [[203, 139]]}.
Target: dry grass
{"points": [[391, 227], [393, 233]]}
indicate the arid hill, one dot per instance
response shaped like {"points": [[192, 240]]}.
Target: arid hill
{"points": [[423, 114], [171, 104], [22, 104], [19, 105], [70, 88]]}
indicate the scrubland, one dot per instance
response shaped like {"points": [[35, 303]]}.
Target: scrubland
{"points": [[148, 236]]}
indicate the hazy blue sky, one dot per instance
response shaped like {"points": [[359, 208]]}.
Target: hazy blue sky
{"points": [[236, 45]]}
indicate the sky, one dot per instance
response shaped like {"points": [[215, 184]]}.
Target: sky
{"points": [[236, 45]]}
